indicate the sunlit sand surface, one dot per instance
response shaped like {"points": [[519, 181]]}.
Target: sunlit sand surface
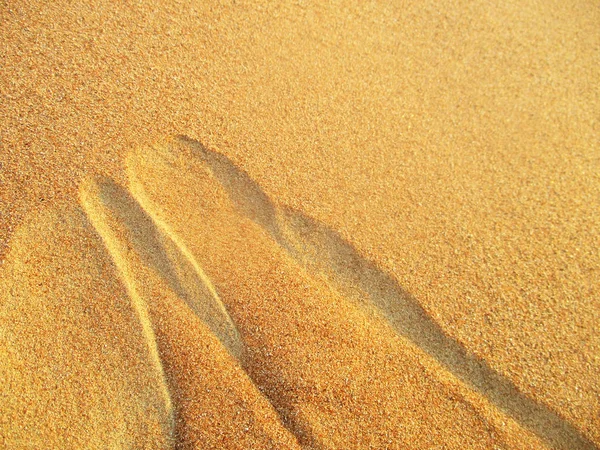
{"points": [[238, 225]]}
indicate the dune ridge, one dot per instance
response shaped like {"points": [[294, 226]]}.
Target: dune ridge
{"points": [[323, 250], [233, 378], [160, 176]]}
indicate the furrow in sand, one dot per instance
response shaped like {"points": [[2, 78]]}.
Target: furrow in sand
{"points": [[323, 250], [160, 250], [89, 201], [213, 398]]}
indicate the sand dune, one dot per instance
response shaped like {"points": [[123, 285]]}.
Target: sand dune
{"points": [[256, 326]]}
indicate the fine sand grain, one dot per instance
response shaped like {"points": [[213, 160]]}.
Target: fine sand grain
{"points": [[380, 230]]}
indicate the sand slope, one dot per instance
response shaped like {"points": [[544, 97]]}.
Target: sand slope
{"points": [[296, 359], [337, 374], [255, 325]]}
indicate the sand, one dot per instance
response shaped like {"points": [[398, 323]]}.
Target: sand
{"points": [[238, 225]]}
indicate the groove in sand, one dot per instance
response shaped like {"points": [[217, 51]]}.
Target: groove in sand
{"points": [[89, 200], [160, 250], [323, 250]]}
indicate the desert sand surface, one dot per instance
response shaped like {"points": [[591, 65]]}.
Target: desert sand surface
{"points": [[300, 225]]}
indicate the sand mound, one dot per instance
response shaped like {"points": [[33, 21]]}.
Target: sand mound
{"points": [[238, 323]]}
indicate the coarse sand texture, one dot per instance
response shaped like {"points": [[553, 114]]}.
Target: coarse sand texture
{"points": [[300, 225]]}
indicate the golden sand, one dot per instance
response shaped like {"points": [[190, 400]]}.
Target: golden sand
{"points": [[381, 230]]}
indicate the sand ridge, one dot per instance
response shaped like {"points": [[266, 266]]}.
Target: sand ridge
{"points": [[226, 284], [176, 159], [158, 249], [324, 251]]}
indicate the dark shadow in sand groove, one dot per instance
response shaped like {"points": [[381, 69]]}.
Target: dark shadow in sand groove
{"points": [[159, 252], [322, 249]]}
